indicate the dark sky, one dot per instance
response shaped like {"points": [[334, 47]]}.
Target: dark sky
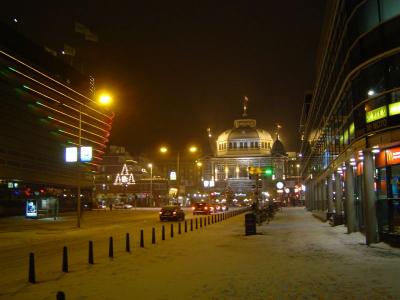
{"points": [[178, 67]]}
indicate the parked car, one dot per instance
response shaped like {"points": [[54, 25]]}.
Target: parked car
{"points": [[172, 212], [202, 208]]}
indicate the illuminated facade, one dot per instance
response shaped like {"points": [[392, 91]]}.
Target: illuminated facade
{"points": [[46, 106], [237, 149], [350, 123]]}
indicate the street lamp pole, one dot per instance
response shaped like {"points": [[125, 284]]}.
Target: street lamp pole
{"points": [[151, 182], [178, 174], [78, 202]]}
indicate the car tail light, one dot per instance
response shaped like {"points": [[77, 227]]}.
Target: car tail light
{"points": [[206, 208]]}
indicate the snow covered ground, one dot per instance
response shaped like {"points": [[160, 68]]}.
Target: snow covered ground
{"points": [[294, 257]]}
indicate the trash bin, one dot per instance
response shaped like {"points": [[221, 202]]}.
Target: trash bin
{"points": [[250, 223]]}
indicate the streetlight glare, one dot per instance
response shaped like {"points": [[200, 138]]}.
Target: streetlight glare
{"points": [[193, 149], [150, 165], [105, 99], [163, 149]]}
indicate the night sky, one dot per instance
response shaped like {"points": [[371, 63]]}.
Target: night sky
{"points": [[176, 68]]}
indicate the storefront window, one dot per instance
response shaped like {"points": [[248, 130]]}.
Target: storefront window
{"points": [[381, 184], [395, 182]]}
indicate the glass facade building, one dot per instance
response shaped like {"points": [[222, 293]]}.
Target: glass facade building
{"points": [[45, 106], [354, 116]]}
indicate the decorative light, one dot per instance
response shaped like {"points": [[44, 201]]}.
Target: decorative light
{"points": [[125, 177]]}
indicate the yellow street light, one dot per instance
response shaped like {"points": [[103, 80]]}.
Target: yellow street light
{"points": [[163, 149], [199, 164], [105, 99], [193, 149]]}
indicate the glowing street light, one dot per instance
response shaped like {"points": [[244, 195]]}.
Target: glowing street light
{"points": [[105, 99], [164, 149]]}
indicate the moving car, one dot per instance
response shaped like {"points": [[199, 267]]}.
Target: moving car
{"points": [[172, 212], [202, 208]]}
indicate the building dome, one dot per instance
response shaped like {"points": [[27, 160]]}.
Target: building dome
{"points": [[278, 148], [244, 139]]}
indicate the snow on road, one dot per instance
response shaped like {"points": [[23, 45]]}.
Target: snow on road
{"points": [[294, 257]]}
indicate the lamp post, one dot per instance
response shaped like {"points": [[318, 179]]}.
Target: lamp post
{"points": [[164, 150], [78, 201], [151, 181], [103, 100]]}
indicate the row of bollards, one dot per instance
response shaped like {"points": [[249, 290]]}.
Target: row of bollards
{"points": [[197, 222]]}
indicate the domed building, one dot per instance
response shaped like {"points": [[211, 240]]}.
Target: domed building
{"points": [[237, 149]]}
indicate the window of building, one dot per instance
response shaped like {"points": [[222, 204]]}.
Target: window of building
{"points": [[241, 145], [256, 145], [251, 145]]}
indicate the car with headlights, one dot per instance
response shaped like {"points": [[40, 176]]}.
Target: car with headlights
{"points": [[172, 213], [203, 208]]}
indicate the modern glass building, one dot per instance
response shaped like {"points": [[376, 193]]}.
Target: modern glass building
{"points": [[350, 126], [45, 107]]}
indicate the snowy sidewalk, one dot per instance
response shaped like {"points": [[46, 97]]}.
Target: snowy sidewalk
{"points": [[294, 257]]}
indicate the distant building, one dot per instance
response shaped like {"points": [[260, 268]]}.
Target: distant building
{"points": [[46, 106], [226, 172], [126, 179]]}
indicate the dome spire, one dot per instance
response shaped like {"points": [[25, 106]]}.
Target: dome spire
{"points": [[245, 104], [277, 131]]}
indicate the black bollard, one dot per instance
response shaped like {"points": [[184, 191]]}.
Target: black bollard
{"points": [[205, 221], [111, 248], [172, 230], [201, 222], [31, 275], [163, 233], [185, 226], [141, 239], [208, 220], [91, 260], [65, 260], [179, 228], [127, 243], [191, 224], [60, 295], [153, 236], [196, 224]]}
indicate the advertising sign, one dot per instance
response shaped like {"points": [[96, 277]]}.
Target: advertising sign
{"points": [[86, 153], [71, 154], [31, 209], [376, 114], [393, 156]]}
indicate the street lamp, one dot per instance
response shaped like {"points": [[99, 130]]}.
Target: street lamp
{"points": [[164, 150], [151, 181], [104, 99]]}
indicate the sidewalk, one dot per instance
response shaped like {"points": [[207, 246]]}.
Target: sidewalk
{"points": [[294, 257]]}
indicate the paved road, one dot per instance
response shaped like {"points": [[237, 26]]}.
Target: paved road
{"points": [[46, 237], [294, 257]]}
